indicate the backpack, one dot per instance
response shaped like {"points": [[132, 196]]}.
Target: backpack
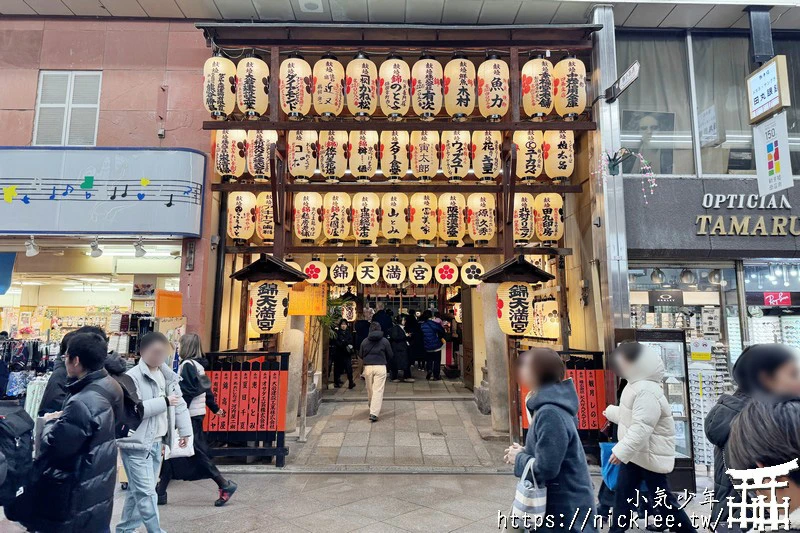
{"points": [[16, 444], [129, 417]]}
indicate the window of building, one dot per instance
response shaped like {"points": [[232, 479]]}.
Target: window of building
{"points": [[67, 107], [791, 49]]}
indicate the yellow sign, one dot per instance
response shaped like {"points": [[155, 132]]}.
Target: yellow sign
{"points": [[701, 350], [308, 300]]}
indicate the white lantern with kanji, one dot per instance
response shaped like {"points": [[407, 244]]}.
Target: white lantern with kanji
{"points": [[537, 87], [349, 311], [394, 154], [307, 213], [316, 271], [394, 81], [241, 215], [558, 151], [514, 307], [457, 312], [394, 272], [452, 218], [528, 144], [426, 87], [546, 320], [361, 86], [368, 272], [341, 272], [494, 95], [365, 208], [459, 87], [446, 272], [423, 217], [471, 271], [336, 216], [265, 217], [230, 152], [548, 214], [456, 151], [294, 87], [420, 272], [424, 150], [259, 148], [481, 217], [523, 219], [333, 154], [268, 306], [328, 86], [219, 86], [302, 148], [252, 87], [487, 154], [569, 87], [363, 150], [394, 217]]}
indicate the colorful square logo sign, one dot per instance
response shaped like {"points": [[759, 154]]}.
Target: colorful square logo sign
{"points": [[773, 158]]}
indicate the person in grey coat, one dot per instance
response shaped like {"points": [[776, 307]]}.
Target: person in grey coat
{"points": [[553, 440], [164, 412], [375, 352]]}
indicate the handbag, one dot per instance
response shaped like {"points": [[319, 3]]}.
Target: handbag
{"points": [[530, 501], [173, 451], [610, 472]]}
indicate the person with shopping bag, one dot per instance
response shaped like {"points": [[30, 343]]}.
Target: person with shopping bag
{"points": [[553, 456]]}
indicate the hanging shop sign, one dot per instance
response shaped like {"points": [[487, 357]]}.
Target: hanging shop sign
{"points": [[772, 298], [459, 87], [423, 148], [481, 217], [514, 302], [558, 152], [219, 86], [393, 87], [349, 311], [486, 147], [241, 215], [333, 154], [548, 214], [423, 217], [394, 272], [471, 272], [368, 272], [528, 145], [307, 216], [446, 272], [341, 272], [361, 87], [546, 321], [328, 87], [426, 87], [230, 151], [363, 150], [665, 297], [768, 89], [420, 272], [102, 190], [269, 306], [265, 218], [457, 312], [394, 154], [336, 216], [259, 148], [537, 87], [394, 213], [295, 85], [523, 219], [366, 207], [456, 151], [306, 299], [771, 147], [252, 87], [493, 89], [302, 154], [316, 271], [452, 222], [569, 87]]}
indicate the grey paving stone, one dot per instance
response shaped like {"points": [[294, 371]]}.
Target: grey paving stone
{"points": [[382, 438], [355, 438], [461, 447], [330, 439], [434, 447], [436, 460], [471, 508], [380, 507], [352, 455], [406, 438], [380, 451], [359, 425], [465, 460], [429, 426], [336, 519], [428, 520]]}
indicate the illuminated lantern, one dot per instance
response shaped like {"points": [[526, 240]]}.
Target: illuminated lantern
{"points": [[457, 313], [548, 209], [336, 216], [307, 220], [423, 147], [459, 87], [230, 150], [259, 148], [293, 264], [361, 87], [265, 217], [241, 215], [349, 311], [252, 87], [514, 307], [426, 87], [394, 154], [546, 320], [219, 86], [486, 149], [423, 217], [328, 87], [455, 150], [537, 87], [394, 272], [294, 86], [301, 151], [493, 90], [529, 154], [452, 222], [481, 217], [446, 272], [332, 154], [342, 272], [316, 271], [365, 217], [393, 87], [420, 272], [394, 216], [569, 87], [523, 218], [471, 272], [363, 150], [268, 306], [558, 150], [368, 272]]}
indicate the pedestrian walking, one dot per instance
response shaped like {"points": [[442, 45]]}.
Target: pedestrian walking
{"points": [[433, 337], [342, 344], [196, 390], [553, 443], [416, 343], [646, 447], [375, 351], [164, 413], [398, 338]]}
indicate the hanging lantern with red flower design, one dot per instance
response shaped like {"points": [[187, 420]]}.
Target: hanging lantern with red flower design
{"points": [[268, 306], [394, 272], [394, 217], [459, 87], [252, 87], [558, 150], [523, 221], [493, 89], [393, 87], [446, 272], [363, 150], [487, 154], [514, 307], [295, 84], [394, 154], [569, 87], [368, 272], [537, 87], [333, 154], [307, 214], [302, 147], [342, 271], [481, 217], [230, 151], [457, 312], [423, 217], [361, 87], [424, 150], [241, 216], [316, 271], [528, 144], [265, 218], [471, 272], [259, 148], [420, 272], [452, 212], [336, 216], [548, 214], [456, 151], [426, 87], [328, 87], [219, 86], [366, 206]]}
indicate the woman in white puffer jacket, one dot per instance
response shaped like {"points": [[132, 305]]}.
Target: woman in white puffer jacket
{"points": [[646, 447]]}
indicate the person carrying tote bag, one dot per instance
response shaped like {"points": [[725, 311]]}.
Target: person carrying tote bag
{"points": [[530, 501]]}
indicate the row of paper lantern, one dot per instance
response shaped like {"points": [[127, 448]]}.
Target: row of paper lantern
{"points": [[334, 153], [396, 88], [519, 314], [393, 272]]}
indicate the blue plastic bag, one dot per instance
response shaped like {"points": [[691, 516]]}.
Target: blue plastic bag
{"points": [[609, 471]]}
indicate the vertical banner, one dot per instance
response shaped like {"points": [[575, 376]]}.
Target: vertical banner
{"points": [[233, 412], [252, 400], [224, 398], [583, 415], [771, 147], [244, 396], [272, 399], [600, 380], [283, 392], [263, 396], [591, 399], [207, 420], [523, 409]]}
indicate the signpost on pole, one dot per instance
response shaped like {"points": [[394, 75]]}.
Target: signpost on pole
{"points": [[623, 82]]}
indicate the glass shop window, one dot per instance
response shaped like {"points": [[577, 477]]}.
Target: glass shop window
{"points": [[791, 49]]}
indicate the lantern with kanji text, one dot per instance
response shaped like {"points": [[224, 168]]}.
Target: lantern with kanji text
{"points": [[295, 83], [241, 216], [349, 311], [546, 320], [259, 148], [336, 216], [328, 87], [426, 87], [487, 154], [423, 217], [219, 86], [457, 312], [394, 154], [493, 89], [341, 272], [252, 87], [333, 154], [548, 214], [307, 213], [523, 220], [452, 218], [481, 217], [420, 272], [446, 272], [471, 272], [230, 152], [569, 87], [316, 271], [368, 272], [394, 272], [265, 217], [537, 87], [268, 306], [456, 151], [459, 87], [363, 150], [528, 144], [394, 217], [365, 209], [361, 86], [301, 151], [424, 150], [514, 307], [558, 151], [394, 79]]}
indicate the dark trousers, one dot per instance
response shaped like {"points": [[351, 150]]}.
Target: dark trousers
{"points": [[341, 365], [399, 364], [199, 466], [434, 363], [630, 478]]}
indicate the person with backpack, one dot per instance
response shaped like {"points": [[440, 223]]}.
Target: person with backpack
{"points": [[164, 412], [197, 393], [433, 336], [375, 351]]}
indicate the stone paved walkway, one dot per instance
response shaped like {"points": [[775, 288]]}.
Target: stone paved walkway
{"points": [[420, 389]]}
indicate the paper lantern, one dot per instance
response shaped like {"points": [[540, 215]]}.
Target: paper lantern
{"points": [[394, 217], [394, 272], [307, 216], [269, 306], [361, 87], [363, 150], [459, 87], [493, 90], [259, 148], [328, 87], [365, 217], [423, 217], [230, 151], [446, 272], [302, 150], [252, 87], [481, 217], [486, 147], [342, 272], [546, 320], [457, 312], [471, 272], [420, 272], [529, 154], [394, 154], [368, 272], [393, 87], [424, 150], [349, 311], [336, 216], [294, 87], [537, 87], [333, 154], [265, 217], [455, 150], [241, 215], [514, 307], [523, 220], [569, 87], [558, 150], [548, 214], [316, 271], [219, 86], [452, 218], [426, 87], [292, 264]]}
